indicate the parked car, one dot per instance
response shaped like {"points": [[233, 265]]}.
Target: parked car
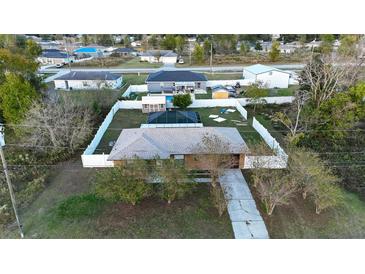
{"points": [[59, 65], [181, 61]]}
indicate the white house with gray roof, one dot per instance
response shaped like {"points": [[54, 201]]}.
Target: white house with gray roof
{"points": [[266, 76], [88, 80], [159, 56]]}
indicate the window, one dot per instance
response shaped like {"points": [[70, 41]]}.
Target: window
{"points": [[198, 85]]}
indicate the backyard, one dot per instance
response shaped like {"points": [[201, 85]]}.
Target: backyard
{"points": [[127, 118]]}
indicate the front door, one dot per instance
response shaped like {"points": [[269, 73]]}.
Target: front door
{"points": [[66, 84]]}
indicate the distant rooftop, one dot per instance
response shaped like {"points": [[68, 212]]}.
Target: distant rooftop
{"points": [[258, 69], [54, 54], [89, 75], [166, 53], [124, 50], [176, 76], [173, 117], [148, 143]]}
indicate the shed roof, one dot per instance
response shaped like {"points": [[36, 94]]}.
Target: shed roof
{"points": [[148, 143], [176, 76], [258, 69], [89, 75]]}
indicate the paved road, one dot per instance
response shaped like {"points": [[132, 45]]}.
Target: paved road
{"points": [[149, 70], [246, 220]]}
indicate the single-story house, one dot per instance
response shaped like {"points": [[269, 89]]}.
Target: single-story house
{"points": [[124, 52], [183, 144], [269, 77], [174, 117], [54, 57], [92, 51], [153, 103], [175, 81], [159, 56], [88, 80]]}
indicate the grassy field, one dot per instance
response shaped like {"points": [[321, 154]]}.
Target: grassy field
{"points": [[135, 63], [134, 78], [126, 118], [89, 217]]}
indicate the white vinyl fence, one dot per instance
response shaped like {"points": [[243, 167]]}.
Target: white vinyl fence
{"points": [[209, 103], [136, 89], [278, 100], [279, 160], [243, 82]]}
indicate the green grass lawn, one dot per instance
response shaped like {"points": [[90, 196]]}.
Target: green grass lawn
{"points": [[104, 97], [125, 118], [284, 91], [134, 78], [135, 63], [86, 216], [248, 133], [208, 95], [223, 76]]}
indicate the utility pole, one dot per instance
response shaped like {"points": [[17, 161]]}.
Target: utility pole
{"points": [[211, 56], [10, 187]]}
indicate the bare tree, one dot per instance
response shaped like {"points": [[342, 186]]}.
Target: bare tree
{"points": [[325, 75], [215, 156], [274, 187], [62, 125], [291, 118]]}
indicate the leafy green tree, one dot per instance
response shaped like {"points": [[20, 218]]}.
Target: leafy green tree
{"points": [[104, 39], [180, 44], [198, 54], [348, 45], [244, 48], [153, 41], [174, 180], [182, 100], [33, 49], [16, 97], [85, 39], [126, 183], [169, 42], [258, 46], [327, 41], [127, 41], [255, 94], [274, 53], [207, 47]]}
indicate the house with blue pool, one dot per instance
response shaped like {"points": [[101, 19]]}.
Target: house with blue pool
{"points": [[91, 51]]}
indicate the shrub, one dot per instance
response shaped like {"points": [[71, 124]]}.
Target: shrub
{"points": [[175, 181], [182, 100], [125, 183]]}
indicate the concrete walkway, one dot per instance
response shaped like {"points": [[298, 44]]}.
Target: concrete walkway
{"points": [[246, 220]]}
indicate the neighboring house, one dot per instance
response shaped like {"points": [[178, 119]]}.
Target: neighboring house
{"points": [[182, 144], [92, 51], [153, 103], [176, 81], [88, 80], [159, 56], [125, 52], [269, 77], [54, 56]]}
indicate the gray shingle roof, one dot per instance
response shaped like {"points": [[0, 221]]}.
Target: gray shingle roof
{"points": [[176, 76], [124, 50], [89, 75], [148, 143], [54, 54], [167, 53]]}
